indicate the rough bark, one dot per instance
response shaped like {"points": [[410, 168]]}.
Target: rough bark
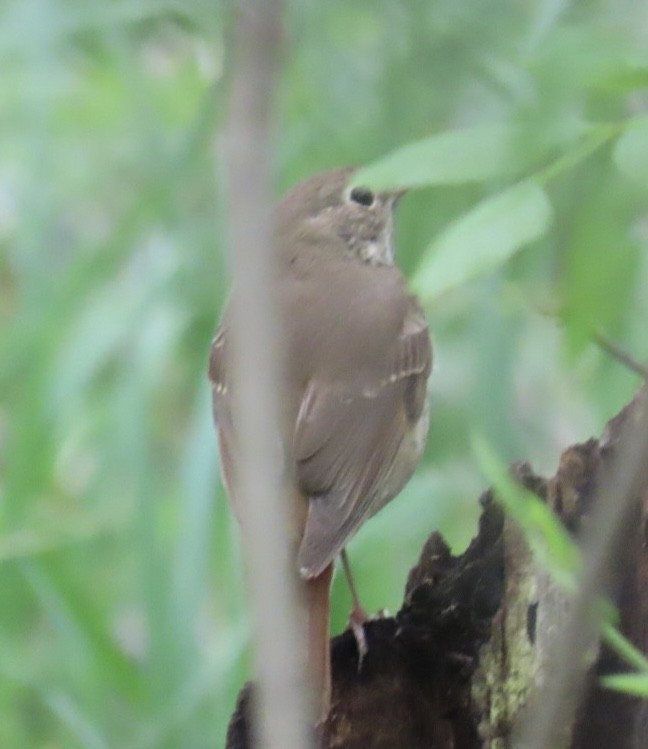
{"points": [[462, 659]]}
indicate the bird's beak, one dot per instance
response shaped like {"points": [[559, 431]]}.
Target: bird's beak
{"points": [[397, 195]]}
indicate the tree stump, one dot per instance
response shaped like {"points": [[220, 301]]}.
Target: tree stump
{"points": [[459, 663]]}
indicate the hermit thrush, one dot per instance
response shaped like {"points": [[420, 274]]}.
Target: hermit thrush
{"points": [[358, 357]]}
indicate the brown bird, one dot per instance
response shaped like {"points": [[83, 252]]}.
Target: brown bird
{"points": [[358, 357]]}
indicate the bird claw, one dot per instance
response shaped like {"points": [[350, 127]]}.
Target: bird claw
{"points": [[357, 619]]}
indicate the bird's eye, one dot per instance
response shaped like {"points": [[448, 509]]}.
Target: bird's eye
{"points": [[362, 195]]}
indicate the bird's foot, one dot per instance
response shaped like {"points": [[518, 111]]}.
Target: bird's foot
{"points": [[357, 619]]}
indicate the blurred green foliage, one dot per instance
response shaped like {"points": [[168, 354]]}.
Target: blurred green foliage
{"points": [[123, 620]]}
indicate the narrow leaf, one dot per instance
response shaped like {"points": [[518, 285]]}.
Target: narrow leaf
{"points": [[635, 684], [473, 154], [631, 152], [623, 647], [552, 546], [483, 239], [456, 156]]}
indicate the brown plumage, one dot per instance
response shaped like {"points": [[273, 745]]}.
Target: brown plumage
{"points": [[354, 421]]}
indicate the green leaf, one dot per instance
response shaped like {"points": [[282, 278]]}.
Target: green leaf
{"points": [[552, 546], [600, 259], [456, 156], [631, 152], [483, 239], [623, 647], [81, 528], [635, 684], [472, 154], [628, 78]]}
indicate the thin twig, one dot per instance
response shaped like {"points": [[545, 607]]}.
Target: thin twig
{"points": [[279, 698], [620, 354]]}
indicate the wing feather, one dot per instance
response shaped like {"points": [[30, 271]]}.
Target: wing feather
{"points": [[222, 411], [346, 440]]}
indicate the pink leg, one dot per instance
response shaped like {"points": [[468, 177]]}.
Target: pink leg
{"points": [[358, 615]]}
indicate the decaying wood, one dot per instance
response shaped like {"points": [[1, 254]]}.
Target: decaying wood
{"points": [[462, 659]]}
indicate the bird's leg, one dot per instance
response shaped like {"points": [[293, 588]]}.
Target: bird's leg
{"points": [[358, 612], [317, 598], [358, 615]]}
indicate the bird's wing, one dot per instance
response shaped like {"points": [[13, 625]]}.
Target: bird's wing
{"points": [[222, 408], [347, 436]]}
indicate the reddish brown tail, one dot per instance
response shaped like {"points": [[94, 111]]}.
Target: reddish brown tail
{"points": [[317, 596]]}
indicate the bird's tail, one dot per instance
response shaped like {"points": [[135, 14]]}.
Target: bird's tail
{"points": [[317, 600]]}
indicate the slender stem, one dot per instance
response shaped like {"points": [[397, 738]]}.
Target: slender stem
{"points": [[599, 135], [280, 703], [620, 354]]}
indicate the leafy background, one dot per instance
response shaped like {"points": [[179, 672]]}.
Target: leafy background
{"points": [[122, 617]]}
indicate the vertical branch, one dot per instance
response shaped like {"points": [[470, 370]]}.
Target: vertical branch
{"points": [[279, 696]]}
